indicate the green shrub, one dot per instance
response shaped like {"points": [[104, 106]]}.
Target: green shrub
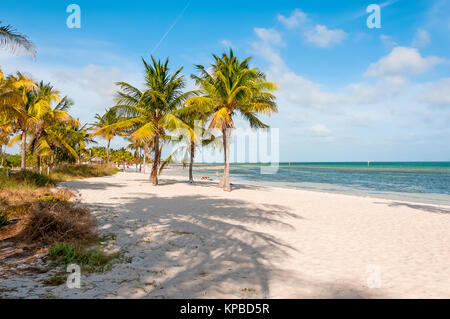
{"points": [[11, 161], [91, 260]]}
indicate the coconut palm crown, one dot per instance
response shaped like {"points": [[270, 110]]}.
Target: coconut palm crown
{"points": [[149, 113], [231, 87]]}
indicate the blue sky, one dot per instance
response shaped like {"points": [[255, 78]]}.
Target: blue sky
{"points": [[347, 92]]}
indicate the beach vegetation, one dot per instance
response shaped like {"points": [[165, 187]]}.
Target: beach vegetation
{"points": [[89, 259]]}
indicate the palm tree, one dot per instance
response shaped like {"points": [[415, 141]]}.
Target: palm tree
{"points": [[12, 40], [150, 112], [6, 129], [195, 118], [98, 151], [106, 129], [78, 138], [16, 103], [42, 116], [231, 87], [50, 128]]}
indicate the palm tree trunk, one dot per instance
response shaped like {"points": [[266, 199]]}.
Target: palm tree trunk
{"points": [[38, 156], [224, 137], [154, 174], [191, 164], [52, 160], [145, 157], [2, 154], [226, 171], [140, 159], [107, 151], [23, 150], [38, 163]]}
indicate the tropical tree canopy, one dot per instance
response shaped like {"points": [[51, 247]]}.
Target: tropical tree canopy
{"points": [[230, 87], [149, 113]]}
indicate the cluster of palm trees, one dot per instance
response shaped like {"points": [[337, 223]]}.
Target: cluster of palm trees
{"points": [[36, 115], [160, 113], [119, 156]]}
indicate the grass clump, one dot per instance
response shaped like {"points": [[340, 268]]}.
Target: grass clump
{"points": [[24, 179], [91, 260], [55, 280], [49, 222]]}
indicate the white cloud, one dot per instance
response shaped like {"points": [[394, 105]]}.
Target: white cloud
{"points": [[421, 39], [269, 54], [270, 36], [265, 47], [297, 18], [321, 130], [437, 93], [402, 61], [319, 35], [301, 91], [323, 37]]}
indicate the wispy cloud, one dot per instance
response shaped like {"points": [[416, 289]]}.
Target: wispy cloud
{"points": [[323, 37], [296, 18]]}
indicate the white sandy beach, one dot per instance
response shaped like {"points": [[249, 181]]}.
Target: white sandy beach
{"points": [[196, 241]]}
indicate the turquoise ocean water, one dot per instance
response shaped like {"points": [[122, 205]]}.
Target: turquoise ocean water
{"points": [[427, 182]]}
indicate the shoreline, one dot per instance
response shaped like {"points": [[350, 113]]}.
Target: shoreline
{"points": [[420, 198]]}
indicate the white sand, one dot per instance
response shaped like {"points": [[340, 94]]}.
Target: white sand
{"points": [[196, 241]]}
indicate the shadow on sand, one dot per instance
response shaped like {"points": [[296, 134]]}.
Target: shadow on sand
{"points": [[425, 208], [198, 246]]}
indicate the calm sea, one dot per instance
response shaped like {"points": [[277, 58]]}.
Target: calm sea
{"points": [[416, 181]]}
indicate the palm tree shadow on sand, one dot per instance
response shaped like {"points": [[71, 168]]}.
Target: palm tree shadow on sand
{"points": [[421, 207], [202, 247]]}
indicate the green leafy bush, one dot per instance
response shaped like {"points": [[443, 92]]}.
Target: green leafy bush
{"points": [[11, 161]]}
